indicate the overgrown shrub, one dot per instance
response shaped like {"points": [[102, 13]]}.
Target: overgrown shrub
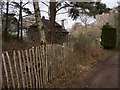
{"points": [[108, 36], [81, 43], [83, 48]]}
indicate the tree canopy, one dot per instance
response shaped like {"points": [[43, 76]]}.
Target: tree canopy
{"points": [[87, 8]]}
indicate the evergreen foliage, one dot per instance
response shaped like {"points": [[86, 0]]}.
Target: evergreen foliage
{"points": [[108, 36], [87, 8]]}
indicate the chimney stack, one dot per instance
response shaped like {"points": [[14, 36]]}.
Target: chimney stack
{"points": [[62, 23], [43, 17]]}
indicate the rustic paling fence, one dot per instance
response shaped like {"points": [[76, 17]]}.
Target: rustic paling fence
{"points": [[34, 67]]}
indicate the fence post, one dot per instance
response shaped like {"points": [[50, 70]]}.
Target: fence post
{"points": [[40, 58], [21, 68], [11, 72], [31, 68], [15, 65], [37, 69], [33, 52], [23, 56], [46, 63], [5, 68], [50, 63], [43, 64], [26, 51]]}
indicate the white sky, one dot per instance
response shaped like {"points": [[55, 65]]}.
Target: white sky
{"points": [[110, 3], [68, 21]]}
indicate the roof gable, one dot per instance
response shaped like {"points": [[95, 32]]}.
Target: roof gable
{"points": [[59, 28]]}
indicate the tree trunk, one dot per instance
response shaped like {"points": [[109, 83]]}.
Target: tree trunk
{"points": [[6, 25], [118, 29], [1, 46], [18, 29], [21, 34], [39, 21], [18, 26], [52, 19], [85, 28]]}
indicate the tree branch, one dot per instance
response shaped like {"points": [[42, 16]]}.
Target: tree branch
{"points": [[62, 13], [26, 15], [45, 11], [25, 4], [45, 4], [67, 5]]}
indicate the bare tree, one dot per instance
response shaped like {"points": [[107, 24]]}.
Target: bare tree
{"points": [[6, 25], [39, 21], [20, 18], [52, 19], [85, 20], [1, 44], [54, 8], [21, 7]]}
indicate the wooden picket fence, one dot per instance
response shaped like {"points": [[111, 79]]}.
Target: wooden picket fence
{"points": [[34, 67]]}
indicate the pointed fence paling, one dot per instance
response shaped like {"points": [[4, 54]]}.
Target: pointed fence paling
{"points": [[34, 67]]}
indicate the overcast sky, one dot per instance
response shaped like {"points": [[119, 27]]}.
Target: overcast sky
{"points": [[68, 21], [110, 3]]}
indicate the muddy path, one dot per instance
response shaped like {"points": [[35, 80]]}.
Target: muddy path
{"points": [[105, 76]]}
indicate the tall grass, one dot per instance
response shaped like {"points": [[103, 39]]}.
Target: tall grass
{"points": [[79, 51], [84, 47]]}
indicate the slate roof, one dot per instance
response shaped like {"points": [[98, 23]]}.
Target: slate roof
{"points": [[47, 24], [118, 8], [59, 28]]}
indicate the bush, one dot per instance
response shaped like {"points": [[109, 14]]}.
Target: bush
{"points": [[81, 43], [108, 36]]}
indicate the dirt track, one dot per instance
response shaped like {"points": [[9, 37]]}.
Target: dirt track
{"points": [[107, 76], [103, 76]]}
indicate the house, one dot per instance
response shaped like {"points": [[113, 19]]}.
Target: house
{"points": [[34, 35], [12, 23], [118, 8]]}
